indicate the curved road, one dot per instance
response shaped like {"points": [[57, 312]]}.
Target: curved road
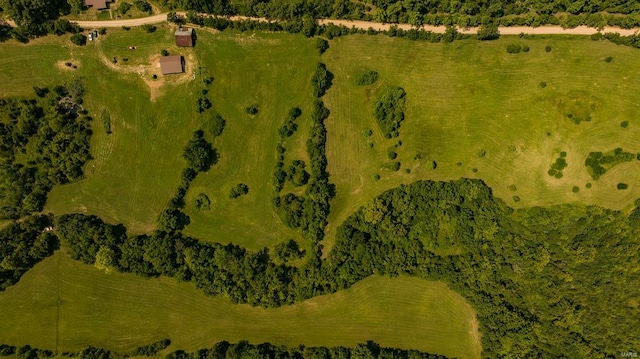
{"points": [[511, 30]]}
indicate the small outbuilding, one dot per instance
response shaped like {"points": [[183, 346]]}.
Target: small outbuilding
{"points": [[185, 37], [172, 64], [97, 4]]}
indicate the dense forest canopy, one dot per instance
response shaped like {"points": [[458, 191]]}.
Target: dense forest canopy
{"points": [[436, 12], [43, 141]]}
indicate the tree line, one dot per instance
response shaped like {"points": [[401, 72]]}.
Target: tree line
{"points": [[36, 18], [539, 279], [226, 350], [311, 211], [464, 13], [90, 352]]}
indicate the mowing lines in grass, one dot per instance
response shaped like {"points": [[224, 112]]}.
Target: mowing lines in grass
{"points": [[122, 311]]}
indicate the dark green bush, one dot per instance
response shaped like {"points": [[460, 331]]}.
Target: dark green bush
{"points": [[203, 203], [322, 45], [253, 109], [238, 190], [79, 39], [366, 77], [513, 48]]}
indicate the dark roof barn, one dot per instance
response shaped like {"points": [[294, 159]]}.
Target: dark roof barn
{"points": [[97, 4], [184, 37], [172, 64]]}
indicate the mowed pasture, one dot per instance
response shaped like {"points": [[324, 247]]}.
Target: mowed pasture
{"points": [[65, 305], [137, 168], [274, 72], [480, 112]]}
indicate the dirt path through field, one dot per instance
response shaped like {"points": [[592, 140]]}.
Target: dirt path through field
{"points": [[512, 30]]}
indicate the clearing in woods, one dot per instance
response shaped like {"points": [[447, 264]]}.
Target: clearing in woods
{"points": [[68, 305]]}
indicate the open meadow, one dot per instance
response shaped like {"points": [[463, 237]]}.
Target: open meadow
{"points": [[65, 305], [480, 112]]}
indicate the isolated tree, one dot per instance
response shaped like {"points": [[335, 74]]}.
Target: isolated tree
{"points": [[199, 153]]}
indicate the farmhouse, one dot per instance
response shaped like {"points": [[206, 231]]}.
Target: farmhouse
{"points": [[184, 37], [172, 64], [97, 4]]}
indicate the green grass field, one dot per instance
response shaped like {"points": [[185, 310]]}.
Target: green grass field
{"points": [[273, 71], [137, 168], [66, 305], [470, 96]]}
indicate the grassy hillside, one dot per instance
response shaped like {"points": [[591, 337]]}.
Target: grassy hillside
{"points": [[65, 305], [270, 70], [137, 168], [467, 98], [464, 99]]}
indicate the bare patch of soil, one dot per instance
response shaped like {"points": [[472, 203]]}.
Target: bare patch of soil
{"points": [[62, 65]]}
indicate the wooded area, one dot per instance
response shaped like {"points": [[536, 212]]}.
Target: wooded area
{"points": [[43, 141], [539, 278]]}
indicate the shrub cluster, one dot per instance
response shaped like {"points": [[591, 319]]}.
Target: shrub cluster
{"points": [[366, 77], [598, 163], [559, 165], [238, 190], [321, 80], [389, 110], [289, 127], [203, 203]]}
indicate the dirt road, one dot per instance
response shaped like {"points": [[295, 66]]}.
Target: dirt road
{"points": [[154, 19], [512, 30]]}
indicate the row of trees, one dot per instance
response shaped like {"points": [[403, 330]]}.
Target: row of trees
{"points": [[43, 141], [29, 352], [226, 350], [330, 31], [244, 349], [436, 12], [200, 156], [311, 211]]}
